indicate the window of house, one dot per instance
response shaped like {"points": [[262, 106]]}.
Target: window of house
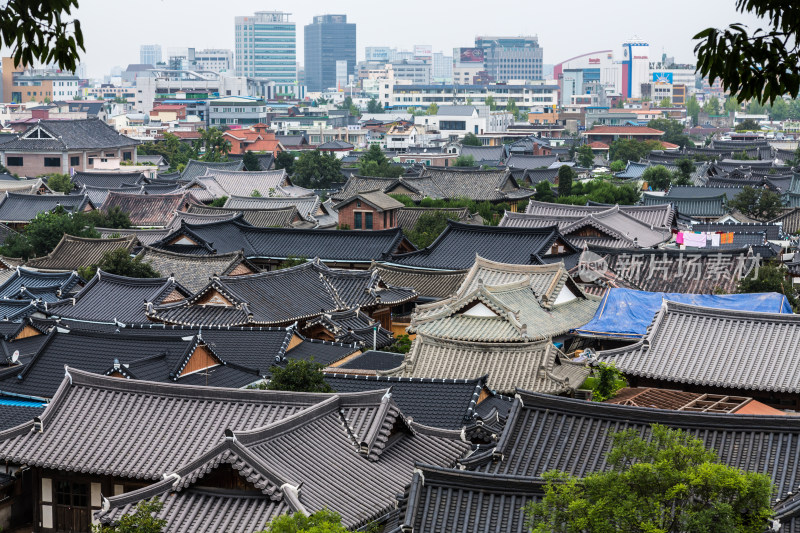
{"points": [[127, 156], [356, 220], [52, 161], [368, 221], [110, 154], [74, 160], [14, 161]]}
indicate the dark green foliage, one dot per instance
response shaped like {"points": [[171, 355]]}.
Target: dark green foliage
{"points": [[761, 204], [255, 194], [428, 227], [760, 65], [219, 202], [693, 109], [316, 170], [142, 520], [175, 151], [602, 191], [749, 125], [299, 375], [631, 149], [45, 231], [489, 101], [17, 245], [658, 177], [214, 146], [685, 167], [667, 483], [491, 213], [464, 161], [120, 262], [608, 381], [348, 105], [39, 32], [673, 131], [771, 277], [374, 106], [565, 177], [60, 183], [585, 156], [291, 261], [401, 344], [324, 521], [251, 163], [114, 217], [374, 163], [285, 160], [470, 140], [617, 166], [544, 192]]}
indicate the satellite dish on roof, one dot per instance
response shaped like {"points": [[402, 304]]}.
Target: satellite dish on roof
{"points": [[15, 356]]}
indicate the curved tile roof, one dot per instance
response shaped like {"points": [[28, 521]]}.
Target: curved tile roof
{"points": [[72, 253]]}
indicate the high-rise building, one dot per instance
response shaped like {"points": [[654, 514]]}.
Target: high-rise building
{"points": [[635, 67], [511, 58], [266, 47], [442, 67], [150, 54], [330, 38]]}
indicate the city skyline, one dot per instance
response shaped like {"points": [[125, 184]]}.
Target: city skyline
{"points": [[443, 26]]}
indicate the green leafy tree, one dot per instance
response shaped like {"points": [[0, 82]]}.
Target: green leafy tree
{"points": [[324, 521], [489, 101], [665, 102], [761, 65], [544, 192], [299, 375], [374, 106], [585, 156], [761, 204], [432, 109], [401, 344], [144, 519], [42, 32], [316, 170], [464, 161], [769, 277], [349, 106], [731, 105], [617, 166], [470, 139], [286, 161], [177, 152], [291, 261], [45, 231], [214, 145], [667, 483], [608, 380], [429, 226], [673, 131], [60, 183], [686, 168], [219, 202], [255, 194], [658, 177], [17, 245], [251, 162], [512, 108], [748, 125], [565, 177], [601, 191], [374, 163], [693, 109], [631, 149], [712, 106], [113, 217], [120, 262]]}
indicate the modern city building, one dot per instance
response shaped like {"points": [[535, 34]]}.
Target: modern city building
{"points": [[25, 84], [329, 39], [214, 60], [635, 67], [467, 64], [150, 54], [442, 70], [236, 111], [403, 95], [266, 47], [511, 58]]}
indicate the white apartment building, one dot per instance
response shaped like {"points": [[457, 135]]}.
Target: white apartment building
{"points": [[402, 96]]}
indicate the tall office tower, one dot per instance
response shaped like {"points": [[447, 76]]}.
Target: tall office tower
{"points": [[511, 58], [266, 47], [442, 67], [329, 39], [150, 54]]}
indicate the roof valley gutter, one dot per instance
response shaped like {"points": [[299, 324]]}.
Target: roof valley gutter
{"points": [[24, 396]]}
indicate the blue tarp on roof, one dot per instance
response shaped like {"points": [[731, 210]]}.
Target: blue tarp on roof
{"points": [[627, 313]]}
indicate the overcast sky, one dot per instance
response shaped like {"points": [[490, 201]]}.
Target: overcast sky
{"points": [[113, 30]]}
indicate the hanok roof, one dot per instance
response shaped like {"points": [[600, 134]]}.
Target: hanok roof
{"points": [[709, 206], [309, 207], [65, 135], [98, 195], [265, 160], [441, 403], [23, 186], [531, 365], [195, 169], [108, 180], [407, 217], [281, 243], [242, 183], [109, 297], [359, 184], [26, 284], [709, 347], [353, 326], [612, 227], [456, 246], [530, 161], [658, 215], [72, 253], [427, 283], [689, 191], [22, 208], [298, 464], [484, 153], [368, 362], [542, 303], [148, 209], [281, 297], [281, 217], [195, 271], [377, 199]]}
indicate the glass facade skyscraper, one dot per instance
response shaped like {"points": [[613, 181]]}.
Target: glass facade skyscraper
{"points": [[327, 40], [511, 58], [150, 54], [266, 47]]}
